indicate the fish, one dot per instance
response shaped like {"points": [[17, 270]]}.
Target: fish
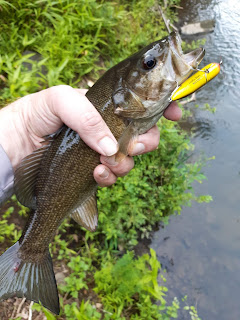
{"points": [[57, 181]]}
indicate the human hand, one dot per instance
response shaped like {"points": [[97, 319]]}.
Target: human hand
{"points": [[27, 120]]}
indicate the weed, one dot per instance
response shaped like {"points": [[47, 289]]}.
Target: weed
{"points": [[45, 43]]}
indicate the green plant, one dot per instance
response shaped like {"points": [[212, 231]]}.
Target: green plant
{"points": [[76, 280], [45, 43], [127, 207], [55, 42], [192, 312], [128, 287], [47, 313], [84, 312], [6, 230]]}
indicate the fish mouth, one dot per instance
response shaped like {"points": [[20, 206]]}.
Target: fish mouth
{"points": [[194, 57], [183, 64]]}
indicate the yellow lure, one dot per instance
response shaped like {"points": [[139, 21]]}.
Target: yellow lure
{"points": [[196, 81]]}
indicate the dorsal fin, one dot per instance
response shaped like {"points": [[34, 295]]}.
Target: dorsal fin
{"points": [[86, 214], [26, 174]]}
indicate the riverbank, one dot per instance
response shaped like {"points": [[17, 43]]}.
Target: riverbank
{"points": [[98, 275]]}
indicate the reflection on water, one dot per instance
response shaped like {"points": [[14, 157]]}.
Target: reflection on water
{"points": [[201, 248], [200, 128]]}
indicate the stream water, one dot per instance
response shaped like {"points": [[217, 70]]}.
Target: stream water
{"points": [[200, 249]]}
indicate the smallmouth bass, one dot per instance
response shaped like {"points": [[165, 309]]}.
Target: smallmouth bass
{"points": [[57, 179]]}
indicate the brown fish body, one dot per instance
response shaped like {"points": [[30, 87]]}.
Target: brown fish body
{"points": [[57, 180], [64, 182]]}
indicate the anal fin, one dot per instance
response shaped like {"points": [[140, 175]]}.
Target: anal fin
{"points": [[86, 214]]}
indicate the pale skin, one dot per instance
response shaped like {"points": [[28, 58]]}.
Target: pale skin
{"points": [[24, 123]]}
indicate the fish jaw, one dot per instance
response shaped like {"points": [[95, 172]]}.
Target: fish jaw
{"points": [[182, 65], [194, 57]]}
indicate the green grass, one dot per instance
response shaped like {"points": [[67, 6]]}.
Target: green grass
{"points": [[45, 43], [62, 41]]}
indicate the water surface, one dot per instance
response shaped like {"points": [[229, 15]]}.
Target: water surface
{"points": [[201, 248]]}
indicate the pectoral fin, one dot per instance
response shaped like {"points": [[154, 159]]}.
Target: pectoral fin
{"points": [[126, 142], [86, 214]]}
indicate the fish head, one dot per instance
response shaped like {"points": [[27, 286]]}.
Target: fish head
{"points": [[161, 61], [152, 75]]}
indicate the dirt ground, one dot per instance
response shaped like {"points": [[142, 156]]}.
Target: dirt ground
{"points": [[18, 308]]}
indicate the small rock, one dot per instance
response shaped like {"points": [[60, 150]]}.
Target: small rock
{"points": [[60, 276], [98, 305], [198, 28], [90, 83], [75, 237], [3, 78], [120, 247]]}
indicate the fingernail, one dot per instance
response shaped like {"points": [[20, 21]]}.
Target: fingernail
{"points": [[104, 173], [108, 146], [138, 148], [110, 160]]}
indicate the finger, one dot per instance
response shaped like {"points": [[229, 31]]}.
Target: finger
{"points": [[173, 112], [77, 112], [104, 176], [146, 142], [120, 169], [81, 91]]}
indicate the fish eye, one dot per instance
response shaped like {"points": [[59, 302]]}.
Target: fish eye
{"points": [[149, 63]]}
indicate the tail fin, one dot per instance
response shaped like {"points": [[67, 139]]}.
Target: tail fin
{"points": [[35, 281]]}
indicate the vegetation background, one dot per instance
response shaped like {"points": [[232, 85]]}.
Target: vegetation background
{"points": [[45, 43]]}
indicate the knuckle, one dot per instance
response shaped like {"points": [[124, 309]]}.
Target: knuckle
{"points": [[107, 182], [58, 94], [123, 173], [153, 140], [92, 120], [62, 89], [155, 144], [125, 167]]}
